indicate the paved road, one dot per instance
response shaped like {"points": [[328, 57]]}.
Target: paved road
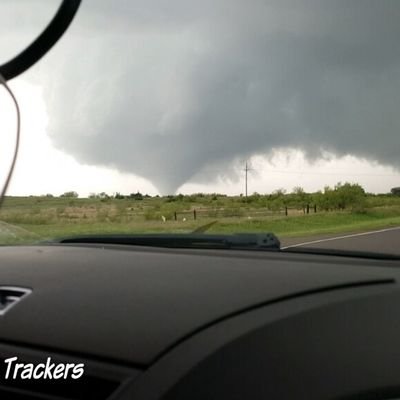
{"points": [[380, 241]]}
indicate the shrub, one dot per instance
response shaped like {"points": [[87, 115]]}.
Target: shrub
{"points": [[70, 194]]}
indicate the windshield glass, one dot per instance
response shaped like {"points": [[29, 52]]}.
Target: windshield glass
{"points": [[245, 117]]}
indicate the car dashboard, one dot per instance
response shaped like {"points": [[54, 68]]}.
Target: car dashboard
{"points": [[156, 323]]}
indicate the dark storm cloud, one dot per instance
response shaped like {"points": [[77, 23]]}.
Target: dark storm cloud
{"points": [[164, 88]]}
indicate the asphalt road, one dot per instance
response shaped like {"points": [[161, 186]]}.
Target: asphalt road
{"points": [[379, 241]]}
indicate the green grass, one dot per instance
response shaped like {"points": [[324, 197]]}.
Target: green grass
{"points": [[30, 219]]}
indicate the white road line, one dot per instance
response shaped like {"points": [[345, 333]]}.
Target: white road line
{"points": [[341, 237]]}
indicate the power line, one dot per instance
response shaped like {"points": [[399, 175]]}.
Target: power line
{"points": [[303, 172], [309, 172]]}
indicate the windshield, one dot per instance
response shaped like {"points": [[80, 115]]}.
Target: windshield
{"points": [[241, 117]]}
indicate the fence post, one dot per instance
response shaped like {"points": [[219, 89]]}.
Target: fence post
{"points": [[194, 214], [308, 209], [286, 213], [175, 216], [315, 208]]}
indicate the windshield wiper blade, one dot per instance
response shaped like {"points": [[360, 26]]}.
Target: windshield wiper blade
{"points": [[243, 241]]}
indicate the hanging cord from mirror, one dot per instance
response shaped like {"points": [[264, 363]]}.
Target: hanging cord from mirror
{"points": [[17, 140], [28, 57]]}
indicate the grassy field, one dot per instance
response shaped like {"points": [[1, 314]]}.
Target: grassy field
{"points": [[31, 219]]}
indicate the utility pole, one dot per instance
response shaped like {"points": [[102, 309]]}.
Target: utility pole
{"points": [[246, 170]]}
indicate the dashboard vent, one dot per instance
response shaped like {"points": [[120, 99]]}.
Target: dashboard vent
{"points": [[11, 295]]}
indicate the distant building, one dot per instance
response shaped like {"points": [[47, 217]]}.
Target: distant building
{"points": [[395, 191]]}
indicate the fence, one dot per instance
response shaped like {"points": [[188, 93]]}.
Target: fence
{"points": [[203, 213]]}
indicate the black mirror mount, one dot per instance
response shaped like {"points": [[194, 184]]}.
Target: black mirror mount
{"points": [[43, 43]]}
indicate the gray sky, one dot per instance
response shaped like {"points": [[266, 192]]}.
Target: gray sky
{"points": [[180, 92]]}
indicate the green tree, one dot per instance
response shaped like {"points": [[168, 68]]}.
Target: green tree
{"points": [[343, 196], [299, 197], [136, 196], [70, 194], [350, 195]]}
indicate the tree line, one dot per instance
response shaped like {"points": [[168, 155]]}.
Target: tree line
{"points": [[342, 196]]}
